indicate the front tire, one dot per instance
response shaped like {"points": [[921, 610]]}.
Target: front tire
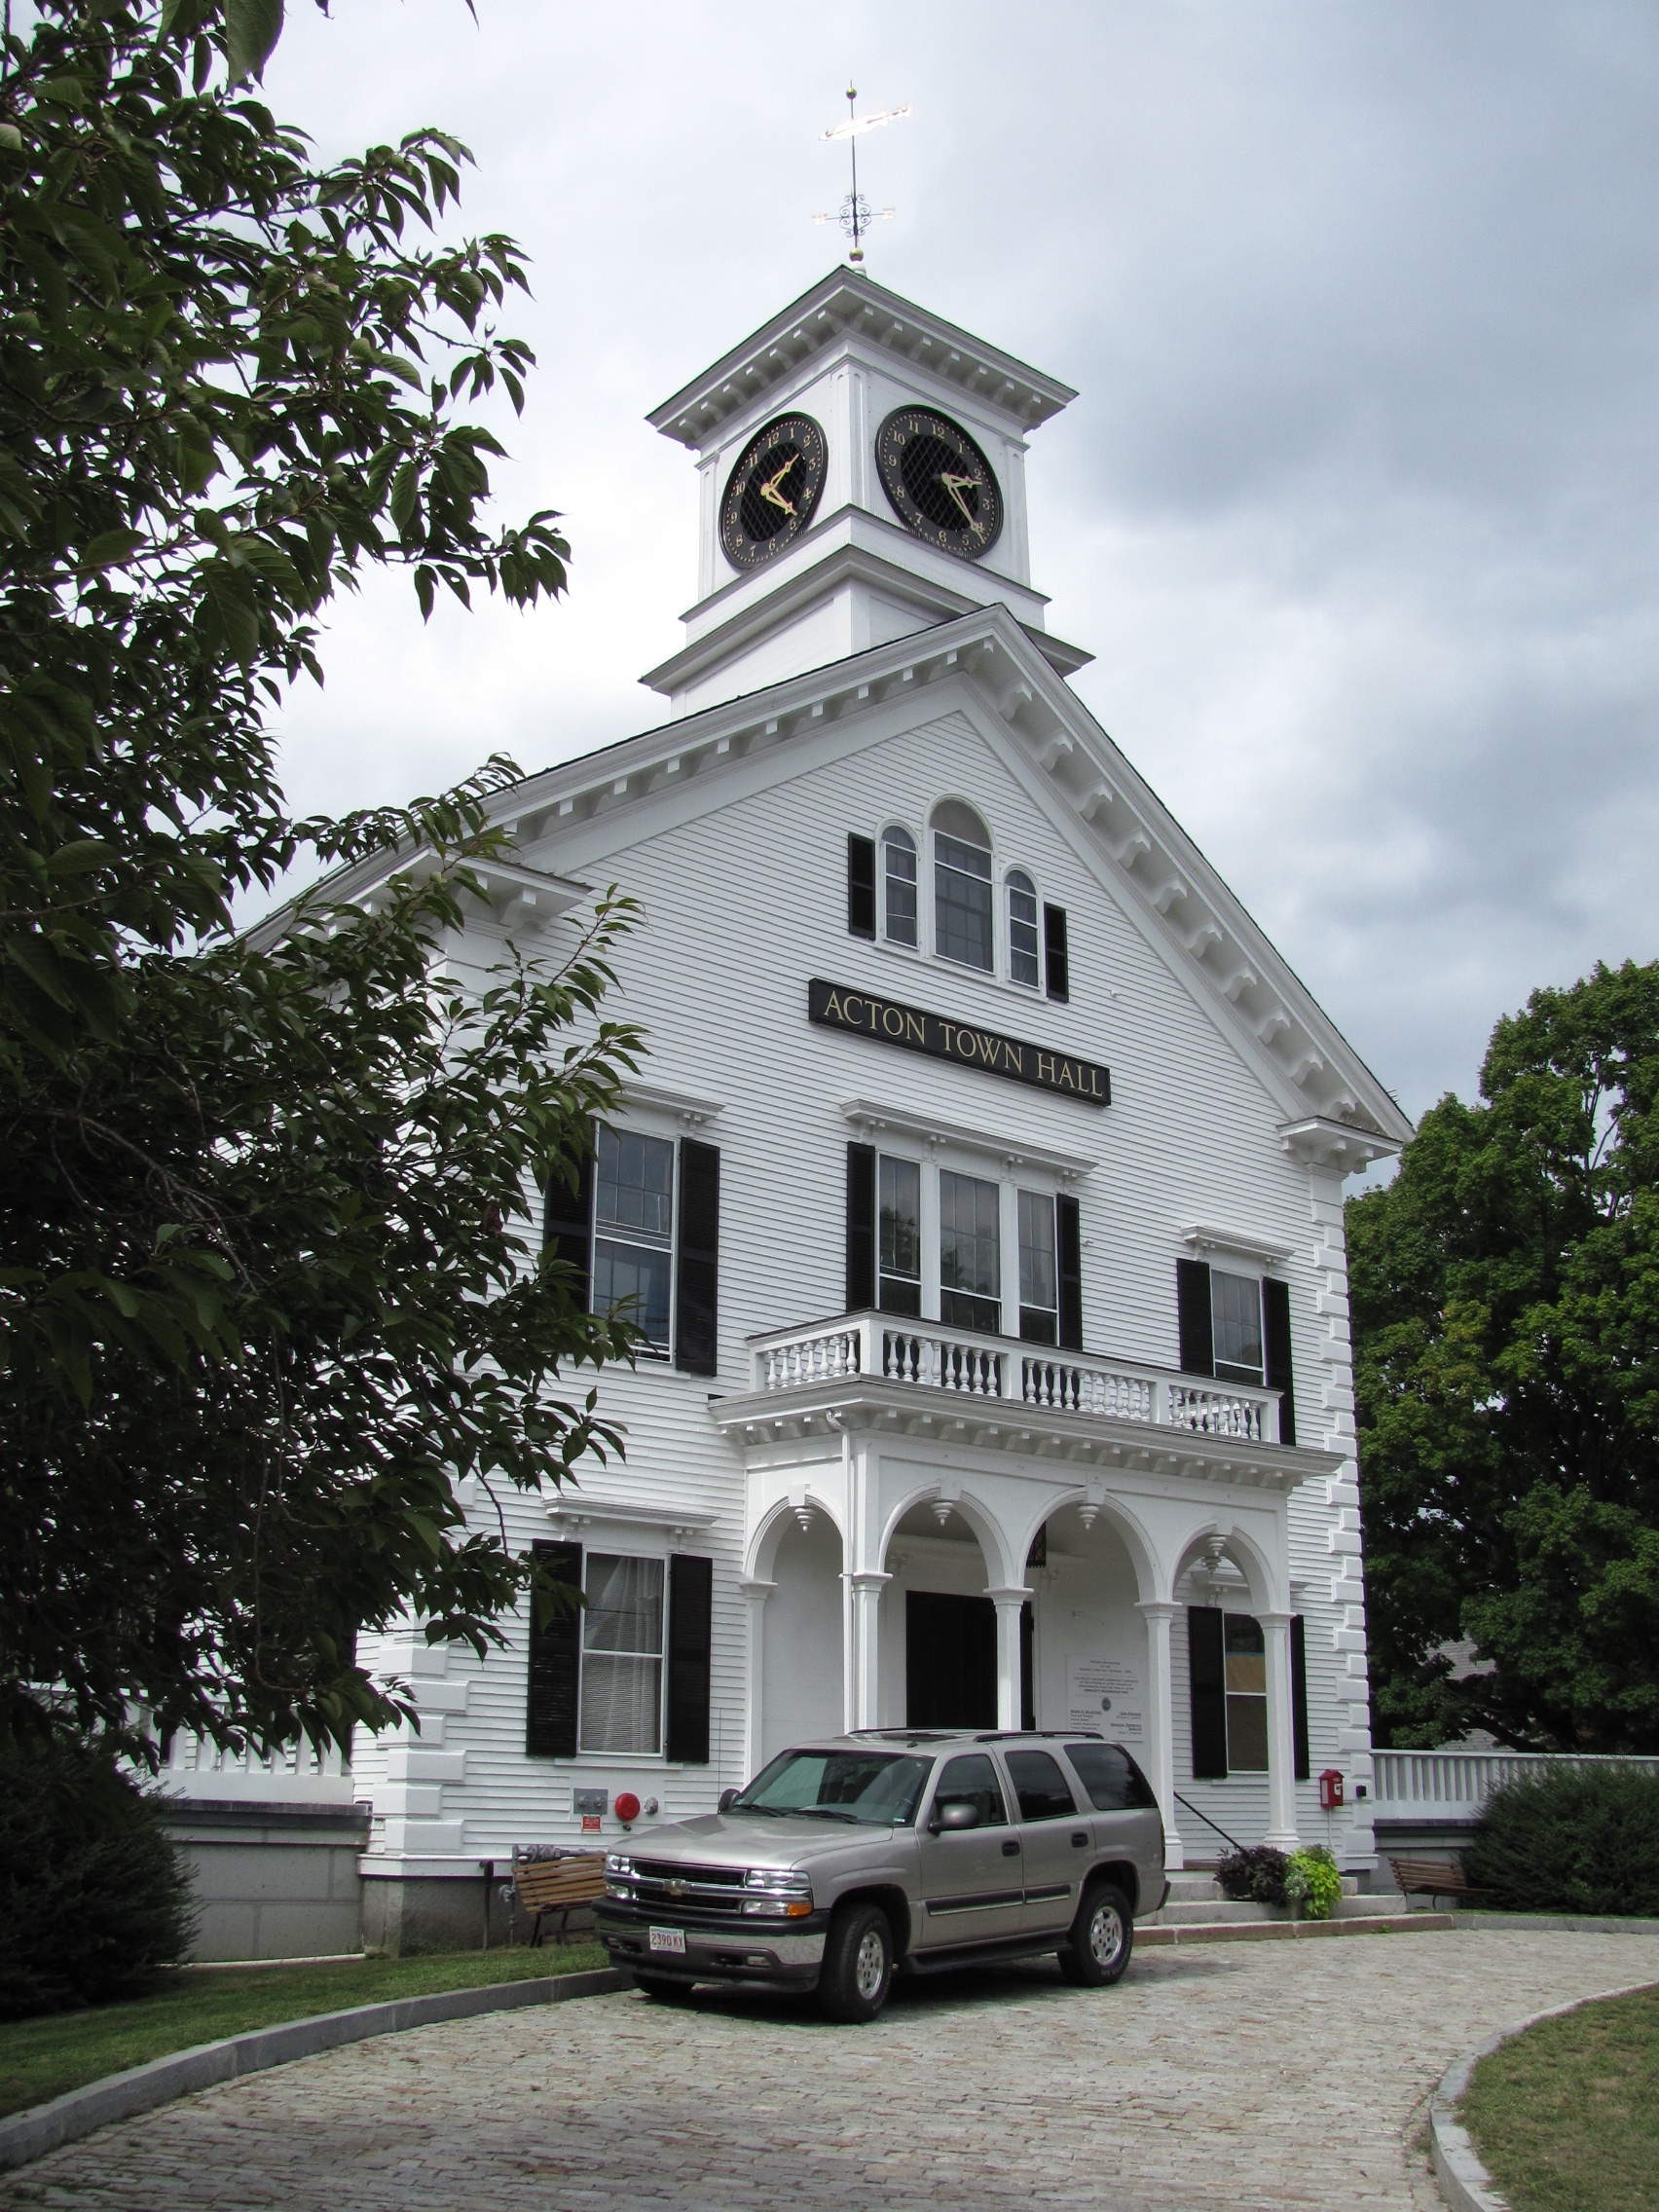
{"points": [[663, 1988], [1097, 1952], [857, 1965]]}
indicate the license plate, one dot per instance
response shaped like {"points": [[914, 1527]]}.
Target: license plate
{"points": [[668, 1939]]}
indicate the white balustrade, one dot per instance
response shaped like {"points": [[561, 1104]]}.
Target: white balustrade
{"points": [[304, 1774], [1454, 1785], [936, 1357]]}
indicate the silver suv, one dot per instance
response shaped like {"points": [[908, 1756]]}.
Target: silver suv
{"points": [[908, 1850]]}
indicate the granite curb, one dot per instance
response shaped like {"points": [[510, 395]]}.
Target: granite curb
{"points": [[30, 2134], [1464, 2182], [1580, 1923], [1290, 1930]]}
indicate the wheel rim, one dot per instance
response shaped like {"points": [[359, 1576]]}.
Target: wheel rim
{"points": [[1105, 1935], [869, 1970]]}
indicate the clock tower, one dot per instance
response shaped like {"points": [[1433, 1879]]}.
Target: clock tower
{"points": [[863, 467]]}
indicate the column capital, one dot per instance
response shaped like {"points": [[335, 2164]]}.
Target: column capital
{"points": [[1008, 1596], [867, 1578], [1159, 1608], [1276, 1620], [754, 1588]]}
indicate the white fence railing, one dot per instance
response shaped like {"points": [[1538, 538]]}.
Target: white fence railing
{"points": [[934, 1357], [1450, 1785], [303, 1774]]}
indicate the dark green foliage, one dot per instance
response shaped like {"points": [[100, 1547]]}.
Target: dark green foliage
{"points": [[271, 1277], [1254, 1876], [1505, 1297], [1575, 1841], [94, 1899]]}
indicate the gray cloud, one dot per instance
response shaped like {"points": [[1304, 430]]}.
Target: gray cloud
{"points": [[1356, 505]]}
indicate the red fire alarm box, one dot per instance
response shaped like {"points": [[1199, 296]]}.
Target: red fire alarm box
{"points": [[1330, 1789]]}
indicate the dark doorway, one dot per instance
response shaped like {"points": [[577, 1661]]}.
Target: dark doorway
{"points": [[951, 1659]]}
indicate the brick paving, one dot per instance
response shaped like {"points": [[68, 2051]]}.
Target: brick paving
{"points": [[1236, 2076]]}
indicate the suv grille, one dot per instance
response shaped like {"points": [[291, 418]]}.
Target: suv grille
{"points": [[710, 1888]]}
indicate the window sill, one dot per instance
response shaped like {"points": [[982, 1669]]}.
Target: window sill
{"points": [[932, 963]]}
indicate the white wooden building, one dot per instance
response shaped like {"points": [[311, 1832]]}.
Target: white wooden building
{"points": [[983, 1197]]}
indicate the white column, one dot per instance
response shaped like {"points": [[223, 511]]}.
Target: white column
{"points": [[1281, 1737], [1161, 1726], [1009, 1605], [756, 1593], [867, 1592]]}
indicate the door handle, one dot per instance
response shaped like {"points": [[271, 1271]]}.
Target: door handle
{"points": [[1010, 1849], [1080, 1840]]}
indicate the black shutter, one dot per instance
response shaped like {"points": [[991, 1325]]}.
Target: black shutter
{"points": [[567, 1232], [1056, 966], [1275, 1336], [554, 1662], [1192, 1310], [861, 1227], [698, 1259], [1206, 1678], [1068, 1251], [690, 1645], [1298, 1696], [1027, 1669], [861, 886]]}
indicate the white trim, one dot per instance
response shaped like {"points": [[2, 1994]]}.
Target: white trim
{"points": [[610, 1513], [652, 1098], [1203, 1237], [874, 1119]]}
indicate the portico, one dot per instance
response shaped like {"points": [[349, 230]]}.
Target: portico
{"points": [[1072, 1495]]}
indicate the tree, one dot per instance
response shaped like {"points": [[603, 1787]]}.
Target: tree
{"points": [[270, 1277], [1505, 1292]]}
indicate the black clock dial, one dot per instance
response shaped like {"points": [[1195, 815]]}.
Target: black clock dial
{"points": [[938, 481], [772, 492]]}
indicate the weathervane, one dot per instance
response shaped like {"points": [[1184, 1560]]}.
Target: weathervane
{"points": [[855, 213]]}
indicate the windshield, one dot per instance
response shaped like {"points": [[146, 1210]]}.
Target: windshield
{"points": [[880, 1787]]}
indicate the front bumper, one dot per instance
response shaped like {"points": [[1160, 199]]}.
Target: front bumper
{"points": [[715, 1950]]}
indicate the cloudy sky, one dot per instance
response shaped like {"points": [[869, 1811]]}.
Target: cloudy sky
{"points": [[1357, 505]]}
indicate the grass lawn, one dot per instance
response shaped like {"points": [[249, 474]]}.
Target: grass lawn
{"points": [[1565, 2118], [40, 2059]]}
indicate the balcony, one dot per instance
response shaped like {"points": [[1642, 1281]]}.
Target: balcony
{"points": [[881, 1370]]}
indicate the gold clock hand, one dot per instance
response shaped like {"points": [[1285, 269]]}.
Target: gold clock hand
{"points": [[956, 485], [769, 489]]}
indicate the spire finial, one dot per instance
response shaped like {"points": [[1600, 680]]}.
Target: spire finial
{"points": [[855, 213]]}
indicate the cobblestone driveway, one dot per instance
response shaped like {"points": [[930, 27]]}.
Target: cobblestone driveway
{"points": [[1229, 2075]]}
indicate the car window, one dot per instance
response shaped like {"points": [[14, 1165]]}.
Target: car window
{"points": [[1114, 1781], [1040, 1786], [972, 1780], [877, 1786]]}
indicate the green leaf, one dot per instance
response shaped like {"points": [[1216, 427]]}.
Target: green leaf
{"points": [[109, 549], [252, 29]]}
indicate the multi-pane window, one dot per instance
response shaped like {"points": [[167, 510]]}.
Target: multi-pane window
{"points": [[633, 1230], [969, 1254], [1235, 1318], [1022, 964], [622, 1654], [1038, 1276], [899, 873], [962, 901], [1245, 1655], [899, 1211]]}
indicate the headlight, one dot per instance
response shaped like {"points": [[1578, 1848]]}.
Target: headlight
{"points": [[776, 1894]]}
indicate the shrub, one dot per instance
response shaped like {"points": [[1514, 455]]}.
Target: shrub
{"points": [[1254, 1878], [95, 1898], [1313, 1880], [1575, 1839]]}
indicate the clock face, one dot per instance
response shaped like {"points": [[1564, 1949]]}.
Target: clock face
{"points": [[772, 492], [938, 481]]}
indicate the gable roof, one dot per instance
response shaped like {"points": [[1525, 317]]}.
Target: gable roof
{"points": [[1336, 1113]]}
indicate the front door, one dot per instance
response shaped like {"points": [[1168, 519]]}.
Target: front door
{"points": [[1054, 1841], [950, 1661], [971, 1885]]}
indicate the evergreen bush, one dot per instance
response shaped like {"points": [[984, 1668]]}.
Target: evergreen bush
{"points": [[1255, 1877], [1577, 1839], [95, 1897]]}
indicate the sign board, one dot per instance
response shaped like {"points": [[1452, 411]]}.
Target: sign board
{"points": [[1105, 1694], [832, 1006]]}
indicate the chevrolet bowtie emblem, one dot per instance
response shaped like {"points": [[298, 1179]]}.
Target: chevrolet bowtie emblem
{"points": [[675, 1888]]}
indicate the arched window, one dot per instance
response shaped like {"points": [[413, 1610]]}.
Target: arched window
{"points": [[1022, 965], [962, 886], [898, 879]]}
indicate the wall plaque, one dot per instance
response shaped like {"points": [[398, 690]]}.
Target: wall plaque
{"points": [[834, 1006]]}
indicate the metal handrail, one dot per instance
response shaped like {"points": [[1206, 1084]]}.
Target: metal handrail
{"points": [[1208, 1822]]}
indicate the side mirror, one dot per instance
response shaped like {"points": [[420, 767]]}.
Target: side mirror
{"points": [[729, 1797], [957, 1815]]}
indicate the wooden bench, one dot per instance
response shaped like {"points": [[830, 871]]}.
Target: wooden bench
{"points": [[557, 1885], [1433, 1878]]}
